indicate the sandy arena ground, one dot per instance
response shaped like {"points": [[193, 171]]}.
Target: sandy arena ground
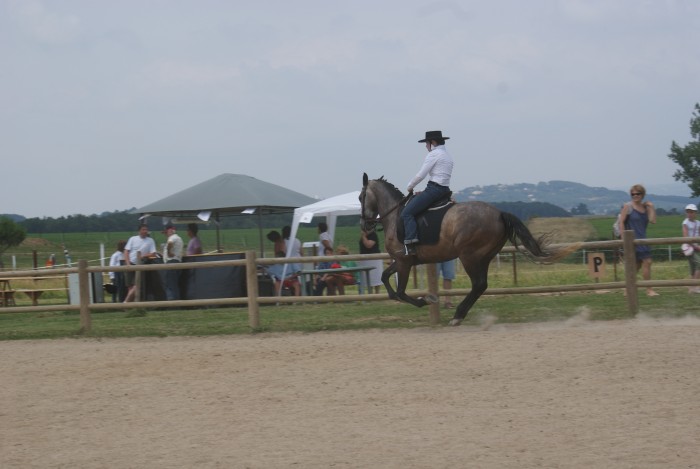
{"points": [[572, 394]]}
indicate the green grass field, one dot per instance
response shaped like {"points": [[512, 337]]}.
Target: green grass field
{"points": [[668, 226]]}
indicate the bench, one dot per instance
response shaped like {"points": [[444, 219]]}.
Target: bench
{"points": [[307, 275], [7, 294], [7, 298], [35, 294]]}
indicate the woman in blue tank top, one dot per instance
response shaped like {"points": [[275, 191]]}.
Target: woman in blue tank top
{"points": [[637, 215]]}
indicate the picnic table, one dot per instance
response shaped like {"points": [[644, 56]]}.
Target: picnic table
{"points": [[307, 275], [7, 293]]}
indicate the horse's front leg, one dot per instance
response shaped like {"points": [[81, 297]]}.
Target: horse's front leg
{"points": [[386, 280], [403, 271]]}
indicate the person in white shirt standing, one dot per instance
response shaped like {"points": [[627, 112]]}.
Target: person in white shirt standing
{"points": [[296, 244], [691, 229], [324, 239], [117, 278], [438, 167], [172, 254], [143, 244]]}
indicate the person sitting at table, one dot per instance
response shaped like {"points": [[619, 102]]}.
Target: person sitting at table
{"points": [[278, 242], [340, 280], [320, 280], [291, 277]]}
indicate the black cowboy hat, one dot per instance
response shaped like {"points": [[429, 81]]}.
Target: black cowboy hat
{"points": [[433, 135]]}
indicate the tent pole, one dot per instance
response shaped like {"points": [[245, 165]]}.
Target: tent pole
{"points": [[260, 230], [218, 234]]}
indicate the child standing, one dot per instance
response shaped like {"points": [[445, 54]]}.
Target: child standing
{"points": [[691, 228]]}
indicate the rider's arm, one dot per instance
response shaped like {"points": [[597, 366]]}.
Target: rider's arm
{"points": [[422, 173]]}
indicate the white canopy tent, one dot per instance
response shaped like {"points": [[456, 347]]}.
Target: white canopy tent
{"points": [[332, 208]]}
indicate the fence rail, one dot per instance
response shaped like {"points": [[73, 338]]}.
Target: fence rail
{"points": [[253, 300]]}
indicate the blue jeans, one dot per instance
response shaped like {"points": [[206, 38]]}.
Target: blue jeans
{"points": [[172, 283], [418, 204]]}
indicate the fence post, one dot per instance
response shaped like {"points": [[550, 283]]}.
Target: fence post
{"points": [[434, 308], [251, 275], [515, 271], [138, 279], [630, 271], [84, 286]]}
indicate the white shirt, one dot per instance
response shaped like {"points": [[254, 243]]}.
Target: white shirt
{"points": [[114, 261], [438, 165], [296, 247], [321, 247], [176, 248], [138, 244], [693, 227]]}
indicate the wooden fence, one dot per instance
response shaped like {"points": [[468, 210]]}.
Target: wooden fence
{"points": [[253, 300]]}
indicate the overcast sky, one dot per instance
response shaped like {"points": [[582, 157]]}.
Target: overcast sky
{"points": [[110, 105]]}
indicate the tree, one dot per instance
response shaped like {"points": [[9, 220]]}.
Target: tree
{"points": [[11, 234], [688, 157], [580, 209]]}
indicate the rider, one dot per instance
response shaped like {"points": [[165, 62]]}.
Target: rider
{"points": [[438, 165]]}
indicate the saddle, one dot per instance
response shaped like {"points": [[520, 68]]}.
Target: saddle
{"points": [[428, 221]]}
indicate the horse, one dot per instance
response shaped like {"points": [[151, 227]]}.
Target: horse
{"points": [[474, 232]]}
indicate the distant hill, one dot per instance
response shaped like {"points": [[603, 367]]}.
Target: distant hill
{"points": [[567, 195], [15, 218]]}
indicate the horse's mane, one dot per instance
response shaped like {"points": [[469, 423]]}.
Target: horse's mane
{"points": [[390, 187]]}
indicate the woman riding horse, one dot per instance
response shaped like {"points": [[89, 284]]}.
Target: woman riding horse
{"points": [[474, 232], [438, 166]]}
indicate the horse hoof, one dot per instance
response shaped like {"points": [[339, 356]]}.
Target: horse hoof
{"points": [[431, 299], [455, 322]]}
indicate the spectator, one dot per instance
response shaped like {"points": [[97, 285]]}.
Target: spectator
{"points": [[296, 244], [636, 216], [291, 277], [320, 280], [138, 247], [172, 254], [279, 244], [194, 246], [340, 280], [117, 278], [691, 229], [447, 271], [369, 244], [324, 238]]}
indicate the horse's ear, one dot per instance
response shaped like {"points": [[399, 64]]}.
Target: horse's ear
{"points": [[365, 179]]}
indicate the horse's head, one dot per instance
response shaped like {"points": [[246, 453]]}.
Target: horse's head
{"points": [[379, 200], [368, 206]]}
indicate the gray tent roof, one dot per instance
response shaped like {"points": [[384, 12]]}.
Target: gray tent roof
{"points": [[228, 194]]}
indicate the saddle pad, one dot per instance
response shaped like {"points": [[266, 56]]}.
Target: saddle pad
{"points": [[429, 223]]}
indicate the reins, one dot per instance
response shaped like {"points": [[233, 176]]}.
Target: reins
{"points": [[380, 219]]}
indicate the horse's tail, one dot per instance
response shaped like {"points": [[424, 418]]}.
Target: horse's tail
{"points": [[538, 250]]}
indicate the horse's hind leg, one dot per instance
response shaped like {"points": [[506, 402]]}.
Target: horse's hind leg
{"points": [[479, 276]]}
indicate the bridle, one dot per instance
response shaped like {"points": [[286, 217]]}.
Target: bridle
{"points": [[370, 225]]}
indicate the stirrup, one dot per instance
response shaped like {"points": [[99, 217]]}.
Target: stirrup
{"points": [[409, 249]]}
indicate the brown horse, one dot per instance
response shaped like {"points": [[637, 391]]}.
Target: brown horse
{"points": [[474, 232]]}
